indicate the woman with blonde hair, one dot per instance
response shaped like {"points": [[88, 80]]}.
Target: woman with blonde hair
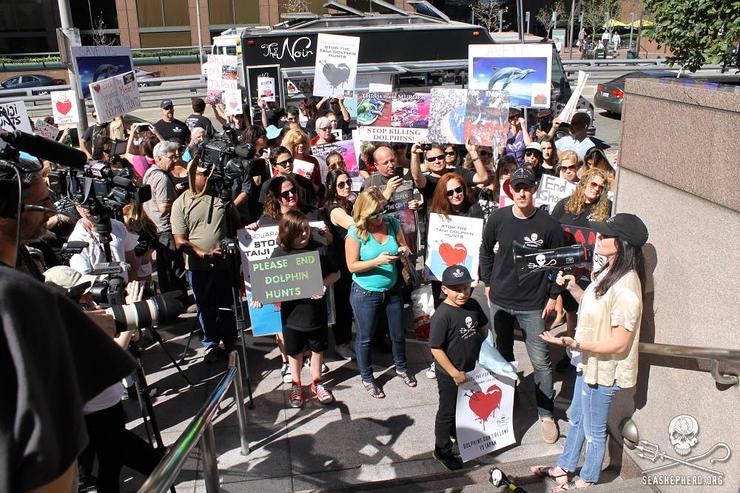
{"points": [[569, 165], [373, 245], [296, 141]]}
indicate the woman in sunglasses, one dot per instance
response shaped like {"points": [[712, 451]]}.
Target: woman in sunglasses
{"points": [[374, 243], [452, 157], [338, 211], [568, 166]]}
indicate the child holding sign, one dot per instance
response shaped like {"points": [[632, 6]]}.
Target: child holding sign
{"points": [[459, 327], [305, 320]]}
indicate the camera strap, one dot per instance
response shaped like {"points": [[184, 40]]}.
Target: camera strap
{"points": [[167, 174]]}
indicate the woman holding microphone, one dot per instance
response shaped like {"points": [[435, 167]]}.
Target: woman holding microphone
{"points": [[604, 347]]}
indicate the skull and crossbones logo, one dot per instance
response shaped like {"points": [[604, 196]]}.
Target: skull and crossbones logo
{"points": [[682, 431]]}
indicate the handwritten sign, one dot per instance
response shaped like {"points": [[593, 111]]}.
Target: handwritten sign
{"points": [[232, 99], [292, 277], [552, 190], [96, 63], [451, 241], [13, 116], [222, 71], [45, 130], [63, 108], [115, 96], [484, 415], [266, 88], [335, 70], [258, 245]]}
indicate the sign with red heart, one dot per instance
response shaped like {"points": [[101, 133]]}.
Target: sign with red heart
{"points": [[453, 255], [233, 101], [453, 240], [62, 108]]}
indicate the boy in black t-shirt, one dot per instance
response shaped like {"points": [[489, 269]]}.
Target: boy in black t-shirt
{"points": [[459, 327]]}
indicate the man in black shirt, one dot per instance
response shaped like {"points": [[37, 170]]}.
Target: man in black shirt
{"points": [[198, 120], [528, 300], [169, 127]]}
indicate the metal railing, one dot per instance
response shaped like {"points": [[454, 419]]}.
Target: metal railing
{"points": [[714, 355], [200, 430]]}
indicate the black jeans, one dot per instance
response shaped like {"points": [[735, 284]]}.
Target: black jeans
{"points": [[444, 423], [343, 309], [116, 447], [170, 265]]}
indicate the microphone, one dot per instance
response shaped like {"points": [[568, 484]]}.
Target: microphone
{"points": [[45, 149]]}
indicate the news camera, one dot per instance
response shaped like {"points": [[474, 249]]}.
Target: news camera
{"points": [[531, 260]]}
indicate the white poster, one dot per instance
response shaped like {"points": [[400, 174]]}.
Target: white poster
{"points": [[13, 116], [45, 130], [266, 89], [256, 245], [484, 414], [63, 108], [222, 71], [95, 63], [522, 70], [232, 99], [570, 107], [378, 87], [552, 190], [454, 240], [115, 96], [303, 168], [336, 65]]}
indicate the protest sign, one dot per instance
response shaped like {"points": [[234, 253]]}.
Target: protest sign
{"points": [[222, 71], [95, 63], [484, 415], [522, 70], [232, 99], [579, 234], [447, 115], [570, 107], [393, 117], [487, 118], [266, 319], [45, 130], [344, 147], [303, 168], [13, 116], [258, 245], [552, 190], [266, 88], [336, 65], [399, 208], [292, 277], [451, 241], [115, 96], [379, 87], [63, 108]]}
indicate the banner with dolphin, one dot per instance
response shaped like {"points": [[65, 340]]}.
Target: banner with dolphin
{"points": [[95, 63], [521, 70]]}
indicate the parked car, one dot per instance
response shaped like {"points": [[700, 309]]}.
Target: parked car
{"points": [[26, 81], [609, 96], [143, 77]]}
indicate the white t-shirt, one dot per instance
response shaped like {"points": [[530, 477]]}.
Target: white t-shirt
{"points": [[93, 254], [568, 143]]}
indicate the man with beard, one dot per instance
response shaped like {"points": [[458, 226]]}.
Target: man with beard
{"points": [[169, 127]]}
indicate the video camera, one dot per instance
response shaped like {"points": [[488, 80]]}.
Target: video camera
{"points": [[230, 159], [531, 260]]}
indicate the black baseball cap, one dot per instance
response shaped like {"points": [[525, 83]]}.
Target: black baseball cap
{"points": [[455, 275], [523, 175], [166, 103], [627, 227]]}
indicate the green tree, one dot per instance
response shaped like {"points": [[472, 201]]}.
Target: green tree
{"points": [[486, 13], [697, 32], [594, 13], [544, 16]]}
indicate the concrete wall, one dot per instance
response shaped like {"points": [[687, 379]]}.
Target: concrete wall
{"points": [[679, 171]]}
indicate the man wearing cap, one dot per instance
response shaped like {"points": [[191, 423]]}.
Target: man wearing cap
{"points": [[169, 127], [199, 223], [198, 120], [528, 300]]}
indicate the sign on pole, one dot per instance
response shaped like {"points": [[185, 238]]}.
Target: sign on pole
{"points": [[570, 107], [454, 240], [115, 96], [95, 63], [335, 70], [63, 108], [292, 277]]}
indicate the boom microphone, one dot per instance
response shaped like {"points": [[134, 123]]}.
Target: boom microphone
{"points": [[45, 149], [531, 260]]}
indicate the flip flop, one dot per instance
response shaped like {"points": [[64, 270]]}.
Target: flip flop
{"points": [[547, 472]]}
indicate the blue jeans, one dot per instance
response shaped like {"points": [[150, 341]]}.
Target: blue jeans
{"points": [[532, 324], [213, 297], [588, 414], [368, 307]]}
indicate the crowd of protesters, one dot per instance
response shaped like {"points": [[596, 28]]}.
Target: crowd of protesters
{"points": [[373, 232]]}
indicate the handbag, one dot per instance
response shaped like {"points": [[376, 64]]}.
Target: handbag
{"points": [[422, 305], [407, 275]]}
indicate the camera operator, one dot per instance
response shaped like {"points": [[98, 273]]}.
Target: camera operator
{"points": [[199, 224], [169, 260]]}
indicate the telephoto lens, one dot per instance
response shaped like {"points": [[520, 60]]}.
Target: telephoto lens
{"points": [[147, 313]]}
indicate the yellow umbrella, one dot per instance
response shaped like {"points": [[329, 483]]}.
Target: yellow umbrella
{"points": [[645, 23], [616, 23]]}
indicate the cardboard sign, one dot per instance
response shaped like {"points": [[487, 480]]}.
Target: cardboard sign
{"points": [[447, 115], [344, 147], [303, 168], [451, 241], [522, 70], [115, 96], [266, 88], [484, 415], [96, 63], [393, 117], [63, 108], [232, 99], [258, 245], [45, 130], [552, 190], [13, 116], [222, 71], [487, 118], [292, 277], [335, 70]]}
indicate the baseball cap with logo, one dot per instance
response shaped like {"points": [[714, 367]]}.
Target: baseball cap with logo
{"points": [[166, 104], [523, 175], [627, 227], [455, 275]]}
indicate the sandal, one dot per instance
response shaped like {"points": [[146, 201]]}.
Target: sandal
{"points": [[547, 472], [373, 390], [408, 378], [569, 486]]}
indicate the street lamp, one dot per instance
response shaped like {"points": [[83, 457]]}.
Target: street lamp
{"points": [[632, 25]]}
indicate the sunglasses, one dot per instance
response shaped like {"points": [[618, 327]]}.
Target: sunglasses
{"points": [[485, 153], [531, 152], [373, 217], [572, 166], [454, 191], [450, 153], [593, 184], [343, 184], [325, 128], [436, 158], [286, 194], [284, 163]]}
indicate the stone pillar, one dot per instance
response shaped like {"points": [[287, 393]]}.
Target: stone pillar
{"points": [[128, 23]]}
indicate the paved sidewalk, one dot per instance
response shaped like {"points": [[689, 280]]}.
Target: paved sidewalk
{"points": [[347, 445]]}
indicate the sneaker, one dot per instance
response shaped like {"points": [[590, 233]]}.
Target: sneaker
{"points": [[549, 429], [451, 462], [345, 351], [323, 395], [285, 373], [211, 354], [431, 371], [295, 396]]}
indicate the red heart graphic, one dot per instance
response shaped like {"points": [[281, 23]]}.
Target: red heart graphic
{"points": [[64, 105], [233, 103], [453, 255], [482, 404], [96, 87]]}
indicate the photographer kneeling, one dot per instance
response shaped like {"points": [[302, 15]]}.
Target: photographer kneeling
{"points": [[199, 224]]}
